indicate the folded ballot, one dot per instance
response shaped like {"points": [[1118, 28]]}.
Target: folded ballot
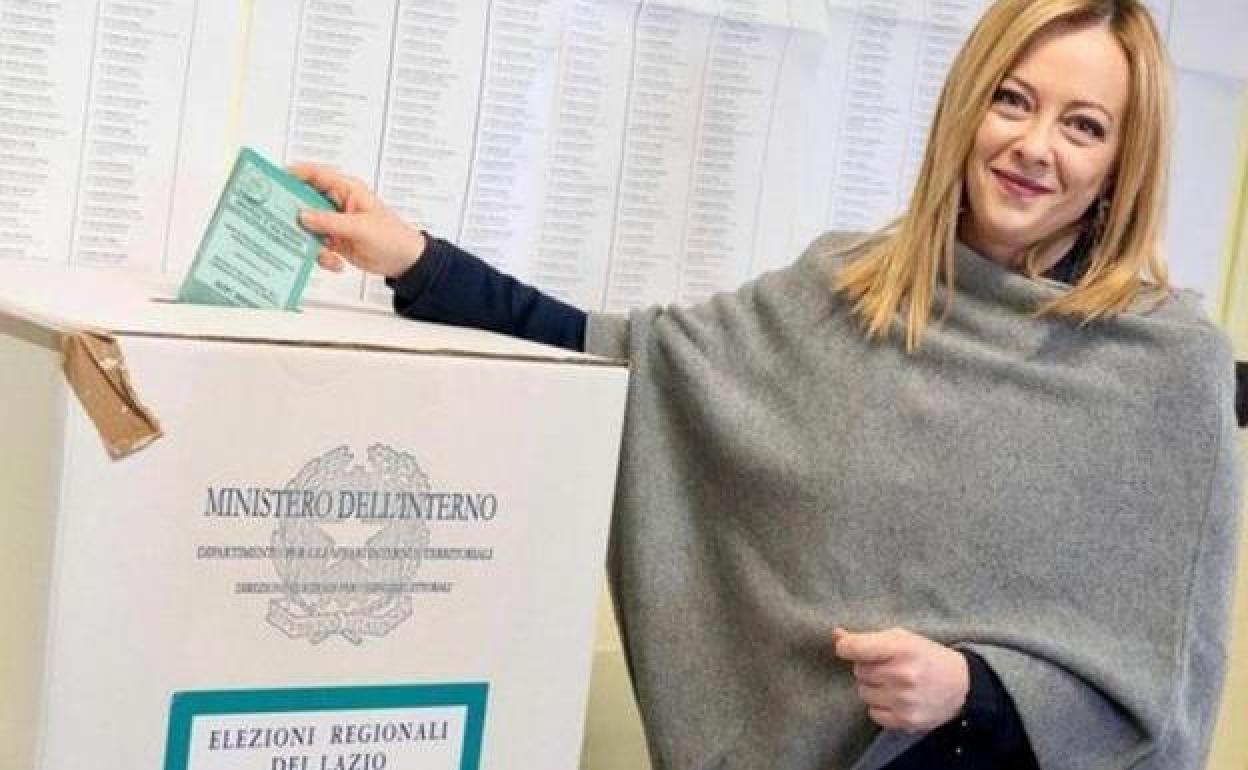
{"points": [[254, 253]]}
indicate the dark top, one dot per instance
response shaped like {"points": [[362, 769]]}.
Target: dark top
{"points": [[449, 285], [1241, 393]]}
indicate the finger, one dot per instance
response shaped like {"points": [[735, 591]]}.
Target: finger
{"points": [[874, 674], [321, 177], [304, 171], [838, 635], [875, 697], [331, 261], [330, 223], [336, 186], [884, 718], [341, 246], [879, 647], [896, 673], [317, 175]]}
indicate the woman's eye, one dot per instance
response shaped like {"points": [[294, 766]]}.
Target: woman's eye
{"points": [[1089, 127], [1009, 98]]}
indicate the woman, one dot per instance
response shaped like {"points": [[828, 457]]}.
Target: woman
{"points": [[990, 441]]}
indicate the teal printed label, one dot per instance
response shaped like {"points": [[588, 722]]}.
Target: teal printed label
{"points": [[396, 727], [254, 253]]}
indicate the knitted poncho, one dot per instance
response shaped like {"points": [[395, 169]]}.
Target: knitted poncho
{"points": [[1060, 499]]}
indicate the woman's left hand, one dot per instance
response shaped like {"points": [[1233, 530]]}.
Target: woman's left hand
{"points": [[908, 682]]}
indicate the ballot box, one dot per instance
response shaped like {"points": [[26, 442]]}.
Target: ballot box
{"points": [[324, 540]]}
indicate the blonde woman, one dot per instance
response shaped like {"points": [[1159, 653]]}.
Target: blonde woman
{"points": [[960, 493]]}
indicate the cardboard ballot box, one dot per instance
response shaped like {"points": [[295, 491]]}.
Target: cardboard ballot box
{"points": [[358, 541]]}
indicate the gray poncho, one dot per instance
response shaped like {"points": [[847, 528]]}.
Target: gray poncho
{"points": [[1061, 500]]}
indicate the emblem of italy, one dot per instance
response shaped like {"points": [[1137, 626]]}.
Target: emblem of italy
{"points": [[355, 590]]}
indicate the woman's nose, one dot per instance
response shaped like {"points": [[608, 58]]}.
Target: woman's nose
{"points": [[1035, 146]]}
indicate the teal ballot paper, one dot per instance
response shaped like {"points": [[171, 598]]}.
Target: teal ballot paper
{"points": [[254, 253]]}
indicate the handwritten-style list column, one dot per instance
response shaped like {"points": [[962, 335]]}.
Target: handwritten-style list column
{"points": [[585, 149], [42, 109], [734, 126], [134, 110], [434, 88], [941, 34], [664, 106], [508, 171], [342, 69], [878, 86]]}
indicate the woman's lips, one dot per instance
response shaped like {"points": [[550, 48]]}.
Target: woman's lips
{"points": [[1019, 186]]}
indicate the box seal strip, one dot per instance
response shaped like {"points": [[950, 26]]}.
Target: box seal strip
{"points": [[96, 369]]}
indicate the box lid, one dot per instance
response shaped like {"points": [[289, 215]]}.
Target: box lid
{"points": [[141, 304], [85, 311]]}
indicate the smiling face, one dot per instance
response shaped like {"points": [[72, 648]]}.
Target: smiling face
{"points": [[1047, 145]]}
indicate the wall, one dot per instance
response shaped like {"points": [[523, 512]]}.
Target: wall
{"points": [[1230, 747]]}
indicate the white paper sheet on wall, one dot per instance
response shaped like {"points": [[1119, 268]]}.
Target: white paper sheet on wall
{"points": [[44, 106], [669, 56], [206, 139], [315, 90], [96, 99], [589, 110], [615, 152]]}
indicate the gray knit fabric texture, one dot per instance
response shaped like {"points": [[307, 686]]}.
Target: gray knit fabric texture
{"points": [[1061, 499]]}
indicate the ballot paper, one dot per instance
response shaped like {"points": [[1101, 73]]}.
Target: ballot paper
{"points": [[254, 252]]}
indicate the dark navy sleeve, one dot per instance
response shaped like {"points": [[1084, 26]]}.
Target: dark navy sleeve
{"points": [[449, 285], [991, 716], [1241, 393], [987, 735]]}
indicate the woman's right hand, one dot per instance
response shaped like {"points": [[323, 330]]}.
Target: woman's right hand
{"points": [[363, 231]]}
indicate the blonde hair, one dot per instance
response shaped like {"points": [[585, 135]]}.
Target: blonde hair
{"points": [[898, 270]]}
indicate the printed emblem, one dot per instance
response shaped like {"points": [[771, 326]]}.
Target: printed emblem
{"points": [[349, 590], [254, 186]]}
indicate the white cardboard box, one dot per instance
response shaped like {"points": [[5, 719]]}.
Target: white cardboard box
{"points": [[424, 600]]}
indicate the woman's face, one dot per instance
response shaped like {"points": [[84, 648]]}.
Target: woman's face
{"points": [[1047, 145]]}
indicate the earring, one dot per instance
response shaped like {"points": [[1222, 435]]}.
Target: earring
{"points": [[1100, 218]]}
